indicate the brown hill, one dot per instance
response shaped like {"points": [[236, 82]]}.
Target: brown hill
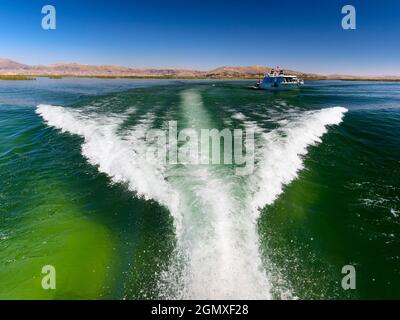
{"points": [[7, 64], [9, 67], [246, 71], [12, 68]]}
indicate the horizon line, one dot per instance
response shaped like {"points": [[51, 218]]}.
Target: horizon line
{"points": [[201, 70]]}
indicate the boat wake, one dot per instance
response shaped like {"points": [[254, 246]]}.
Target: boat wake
{"points": [[215, 211]]}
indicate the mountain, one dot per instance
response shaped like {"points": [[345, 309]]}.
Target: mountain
{"points": [[7, 64], [10, 67], [254, 71]]}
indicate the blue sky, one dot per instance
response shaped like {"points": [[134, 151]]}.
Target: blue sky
{"points": [[303, 35]]}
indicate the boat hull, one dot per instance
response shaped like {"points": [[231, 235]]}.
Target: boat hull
{"points": [[280, 86]]}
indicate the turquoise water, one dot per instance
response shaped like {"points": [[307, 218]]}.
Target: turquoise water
{"points": [[77, 191]]}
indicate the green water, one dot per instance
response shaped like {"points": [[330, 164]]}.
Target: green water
{"points": [[77, 193]]}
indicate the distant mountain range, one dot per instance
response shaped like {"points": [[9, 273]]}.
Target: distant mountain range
{"points": [[9, 68]]}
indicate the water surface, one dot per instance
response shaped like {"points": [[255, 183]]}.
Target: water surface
{"points": [[77, 191]]}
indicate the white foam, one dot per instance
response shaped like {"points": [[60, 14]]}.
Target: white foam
{"points": [[215, 218], [239, 116], [122, 157], [282, 151], [219, 242]]}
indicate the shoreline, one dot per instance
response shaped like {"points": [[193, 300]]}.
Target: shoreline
{"points": [[34, 77]]}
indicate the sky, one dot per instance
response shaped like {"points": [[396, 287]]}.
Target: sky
{"points": [[304, 35]]}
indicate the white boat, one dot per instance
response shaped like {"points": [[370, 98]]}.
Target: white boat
{"points": [[277, 79]]}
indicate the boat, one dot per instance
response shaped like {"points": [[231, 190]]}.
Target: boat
{"points": [[277, 79]]}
